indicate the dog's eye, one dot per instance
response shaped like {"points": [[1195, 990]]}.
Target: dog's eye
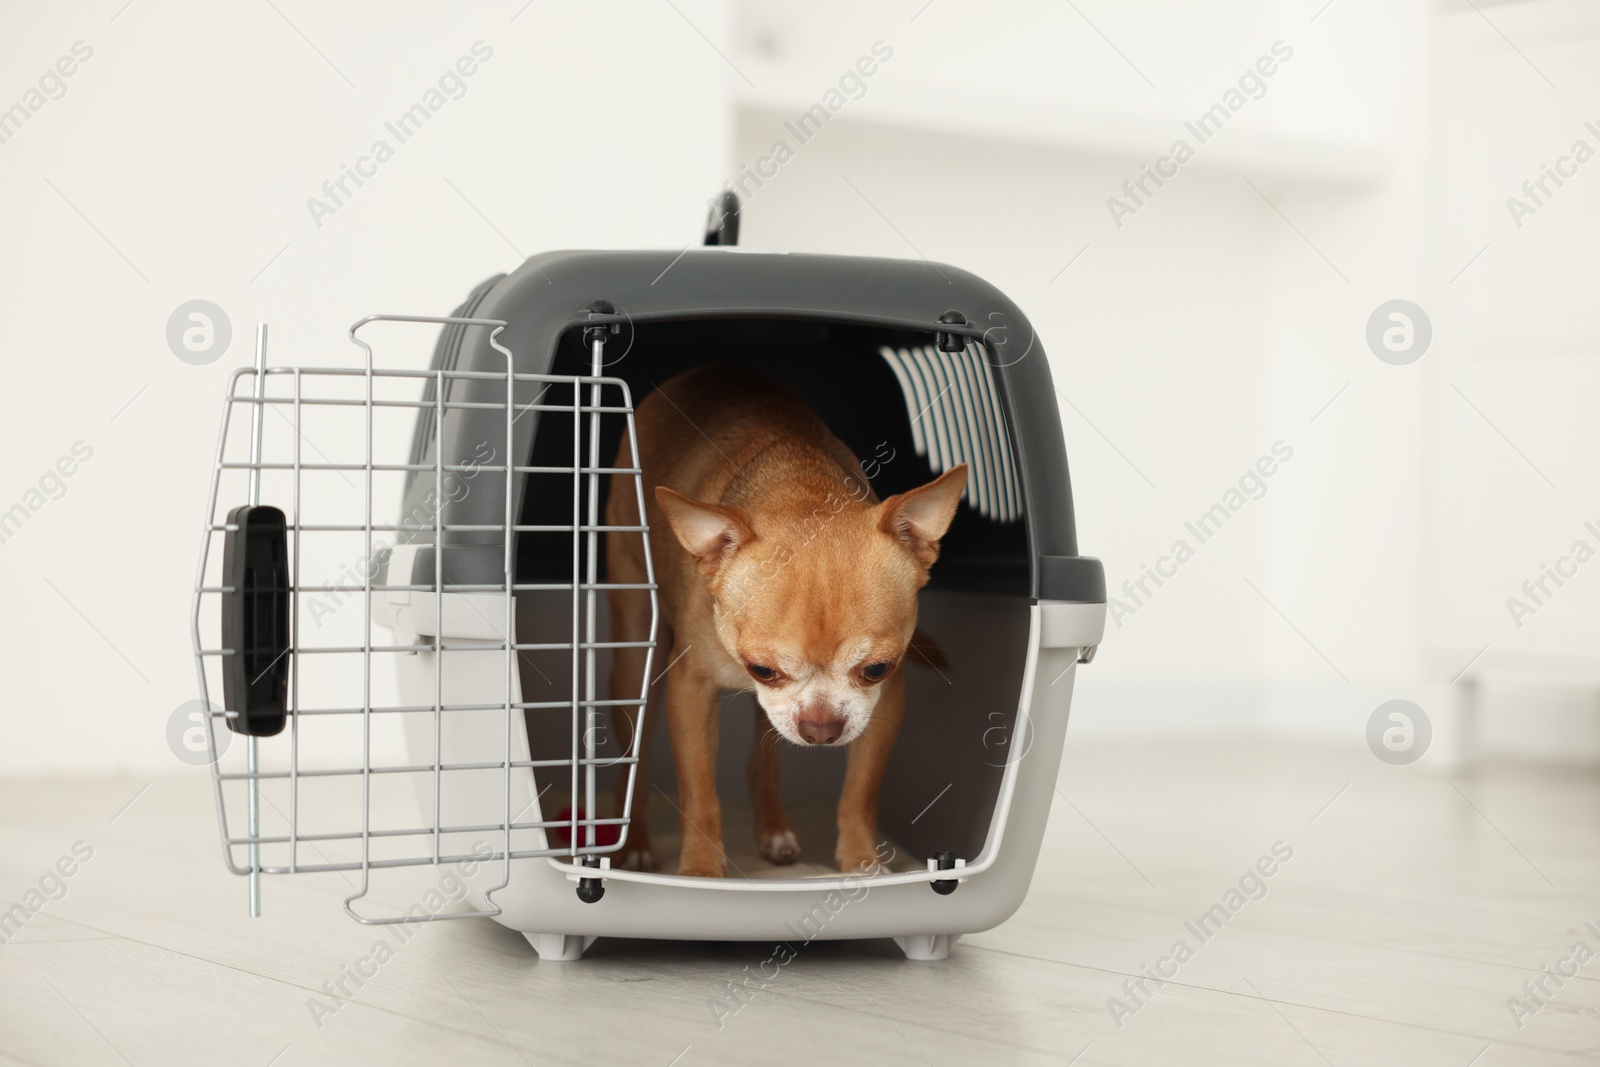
{"points": [[875, 672], [761, 673]]}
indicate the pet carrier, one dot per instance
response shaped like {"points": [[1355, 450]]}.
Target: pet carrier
{"points": [[405, 609]]}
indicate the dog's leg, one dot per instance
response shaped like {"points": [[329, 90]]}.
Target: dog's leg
{"points": [[693, 715], [863, 774], [775, 837]]}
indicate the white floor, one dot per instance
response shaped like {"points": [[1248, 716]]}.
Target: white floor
{"points": [[1412, 908]]}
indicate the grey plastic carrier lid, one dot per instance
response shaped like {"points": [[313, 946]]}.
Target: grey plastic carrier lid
{"points": [[551, 294]]}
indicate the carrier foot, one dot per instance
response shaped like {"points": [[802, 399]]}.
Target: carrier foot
{"points": [[926, 946], [559, 948]]}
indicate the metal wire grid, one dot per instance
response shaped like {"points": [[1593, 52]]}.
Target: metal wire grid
{"points": [[583, 704]]}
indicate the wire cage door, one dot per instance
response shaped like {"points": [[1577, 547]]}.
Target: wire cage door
{"points": [[318, 526]]}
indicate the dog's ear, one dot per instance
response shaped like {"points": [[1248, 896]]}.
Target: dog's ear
{"points": [[920, 517], [709, 532]]}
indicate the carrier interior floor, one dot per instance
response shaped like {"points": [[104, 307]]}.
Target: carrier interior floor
{"points": [[813, 822], [1413, 907]]}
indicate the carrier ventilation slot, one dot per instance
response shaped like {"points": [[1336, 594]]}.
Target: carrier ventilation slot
{"points": [[955, 418]]}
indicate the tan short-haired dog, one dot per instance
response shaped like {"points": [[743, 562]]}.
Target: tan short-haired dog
{"points": [[786, 574]]}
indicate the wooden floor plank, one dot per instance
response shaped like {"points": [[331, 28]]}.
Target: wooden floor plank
{"points": [[1412, 908]]}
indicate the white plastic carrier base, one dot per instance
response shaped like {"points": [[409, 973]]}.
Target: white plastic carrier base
{"points": [[540, 898]]}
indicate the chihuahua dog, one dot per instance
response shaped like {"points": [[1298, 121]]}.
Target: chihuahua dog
{"points": [[787, 575]]}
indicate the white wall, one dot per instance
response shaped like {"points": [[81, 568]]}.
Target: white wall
{"points": [[1185, 342], [1218, 319], [1513, 473], [191, 141]]}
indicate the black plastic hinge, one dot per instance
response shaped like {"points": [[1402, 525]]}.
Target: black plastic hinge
{"points": [[590, 890], [951, 342], [255, 621], [946, 862], [599, 331]]}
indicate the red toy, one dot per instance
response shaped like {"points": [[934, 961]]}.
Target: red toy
{"points": [[562, 835]]}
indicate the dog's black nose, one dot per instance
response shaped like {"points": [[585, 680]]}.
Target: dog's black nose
{"points": [[820, 731]]}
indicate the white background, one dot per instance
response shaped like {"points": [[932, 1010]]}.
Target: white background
{"points": [[1227, 314]]}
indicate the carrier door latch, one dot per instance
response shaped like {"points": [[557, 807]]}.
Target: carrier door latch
{"points": [[255, 621]]}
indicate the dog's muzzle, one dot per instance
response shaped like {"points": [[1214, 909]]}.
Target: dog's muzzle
{"points": [[818, 726]]}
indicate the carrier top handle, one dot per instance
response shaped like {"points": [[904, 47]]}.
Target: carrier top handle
{"points": [[722, 222]]}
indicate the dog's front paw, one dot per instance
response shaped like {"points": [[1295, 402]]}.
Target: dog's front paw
{"points": [[702, 861], [856, 854], [690, 870], [636, 853], [779, 846], [868, 864], [636, 859]]}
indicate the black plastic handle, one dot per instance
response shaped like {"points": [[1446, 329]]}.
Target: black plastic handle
{"points": [[722, 222], [255, 621]]}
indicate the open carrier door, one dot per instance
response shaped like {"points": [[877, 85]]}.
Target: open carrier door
{"points": [[299, 559]]}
